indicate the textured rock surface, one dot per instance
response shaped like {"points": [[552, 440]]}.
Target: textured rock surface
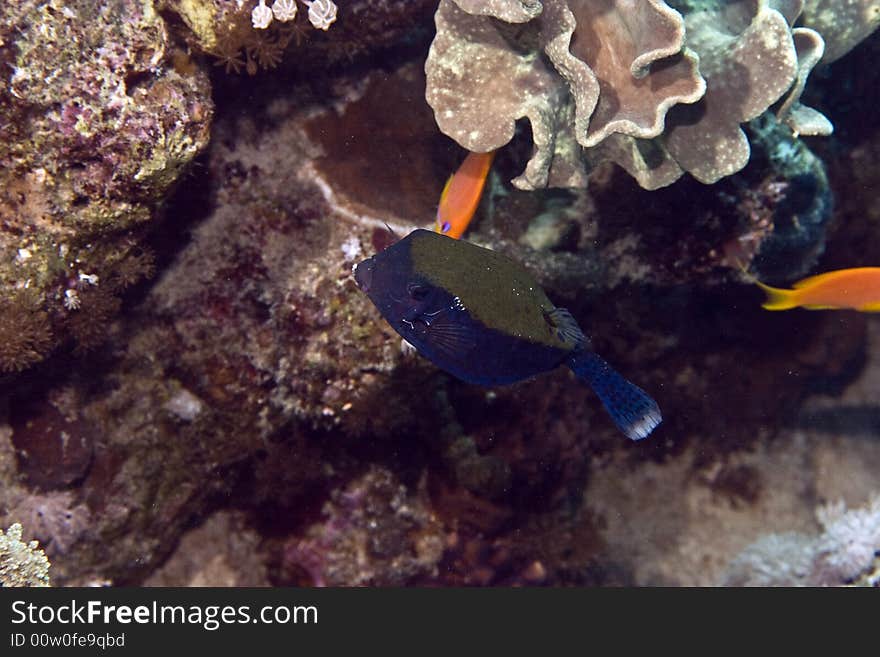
{"points": [[95, 127], [221, 551], [373, 532]]}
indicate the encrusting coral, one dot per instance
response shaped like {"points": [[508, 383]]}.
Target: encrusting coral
{"points": [[637, 83], [375, 531]]}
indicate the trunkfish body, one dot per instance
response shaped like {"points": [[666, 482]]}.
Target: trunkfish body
{"points": [[484, 319]]}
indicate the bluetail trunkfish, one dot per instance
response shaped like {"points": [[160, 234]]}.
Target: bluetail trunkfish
{"points": [[483, 318]]}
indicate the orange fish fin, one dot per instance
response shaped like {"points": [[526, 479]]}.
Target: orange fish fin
{"points": [[777, 298], [445, 191], [845, 274], [487, 161], [815, 307], [871, 307], [438, 227], [814, 280]]}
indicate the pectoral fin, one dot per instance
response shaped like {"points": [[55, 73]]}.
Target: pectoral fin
{"points": [[451, 337], [567, 329]]}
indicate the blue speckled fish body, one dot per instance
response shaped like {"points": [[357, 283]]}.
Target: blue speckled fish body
{"points": [[483, 318]]}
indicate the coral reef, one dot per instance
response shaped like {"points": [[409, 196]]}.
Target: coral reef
{"points": [[608, 70], [229, 32], [251, 421], [374, 532], [226, 31], [221, 551], [713, 511], [25, 336], [21, 564], [844, 553], [635, 83], [749, 60], [253, 370], [95, 129]]}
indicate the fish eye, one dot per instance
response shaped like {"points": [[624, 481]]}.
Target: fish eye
{"points": [[418, 291]]}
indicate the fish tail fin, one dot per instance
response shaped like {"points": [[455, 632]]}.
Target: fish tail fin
{"points": [[631, 408], [777, 298]]}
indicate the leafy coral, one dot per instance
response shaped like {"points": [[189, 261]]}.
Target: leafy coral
{"points": [[658, 92]]}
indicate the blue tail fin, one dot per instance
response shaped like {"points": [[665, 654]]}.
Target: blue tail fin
{"points": [[632, 410]]}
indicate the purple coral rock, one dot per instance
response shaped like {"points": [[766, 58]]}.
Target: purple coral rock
{"points": [[96, 125]]}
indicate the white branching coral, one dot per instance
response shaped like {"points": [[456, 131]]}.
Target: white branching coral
{"points": [[322, 13], [851, 539], [846, 552], [21, 564]]}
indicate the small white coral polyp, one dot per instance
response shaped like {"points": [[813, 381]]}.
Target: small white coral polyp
{"points": [[322, 13]]}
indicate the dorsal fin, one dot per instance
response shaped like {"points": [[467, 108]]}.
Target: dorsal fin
{"points": [[831, 275], [445, 191]]}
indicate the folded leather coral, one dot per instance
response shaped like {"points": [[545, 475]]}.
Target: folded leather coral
{"points": [[659, 88]]}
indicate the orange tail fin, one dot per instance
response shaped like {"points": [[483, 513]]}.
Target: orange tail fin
{"points": [[777, 298]]}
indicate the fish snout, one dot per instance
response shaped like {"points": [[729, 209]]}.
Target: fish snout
{"points": [[363, 274]]}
